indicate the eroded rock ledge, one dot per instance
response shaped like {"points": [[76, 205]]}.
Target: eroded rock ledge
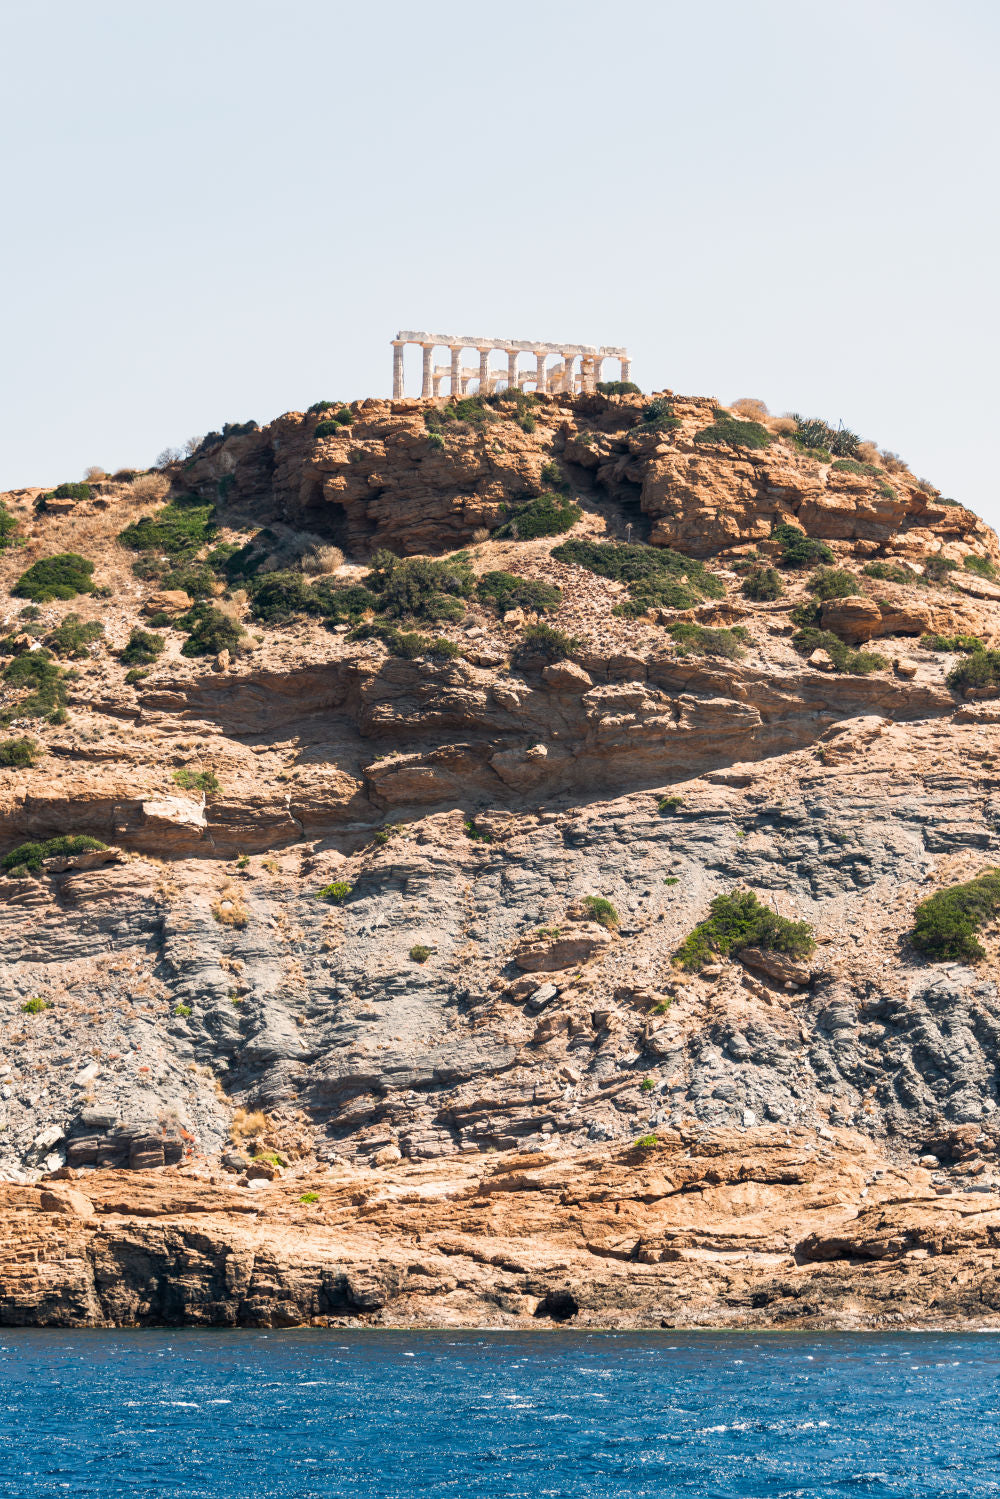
{"points": [[766, 1228]]}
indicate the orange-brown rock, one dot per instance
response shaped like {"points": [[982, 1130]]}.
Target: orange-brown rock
{"points": [[766, 1228]]}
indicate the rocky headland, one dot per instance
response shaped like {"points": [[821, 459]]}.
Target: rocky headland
{"points": [[365, 775]]}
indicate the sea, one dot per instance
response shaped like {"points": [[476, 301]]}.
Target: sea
{"points": [[464, 1415]]}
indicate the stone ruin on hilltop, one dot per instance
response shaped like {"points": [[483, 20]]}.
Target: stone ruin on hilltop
{"points": [[559, 377]]}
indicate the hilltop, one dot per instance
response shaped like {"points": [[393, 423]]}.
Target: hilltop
{"points": [[369, 779]]}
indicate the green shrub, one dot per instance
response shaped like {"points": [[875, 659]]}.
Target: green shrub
{"points": [[161, 620], [197, 780], [647, 1142], [762, 585], [832, 583], [735, 433], [981, 566], [182, 1010], [72, 637], [419, 953], [407, 644], [546, 515], [478, 835], [318, 407], [142, 649], [473, 409], [602, 911], [342, 604], [35, 1006], [798, 549], [740, 920], [807, 615], [184, 526], [656, 576], [968, 645], [885, 490], [814, 433], [334, 426], [420, 587], [8, 528], [852, 466], [44, 681], [854, 663], [209, 631], [647, 1085], [435, 440], [669, 804], [135, 675], [508, 591], [699, 640], [29, 856], [19, 754], [277, 597], [618, 388], [554, 478], [70, 491], [946, 923], [60, 577], [309, 1197], [980, 670], [543, 640], [337, 891], [936, 568], [889, 572], [659, 416], [672, 879]]}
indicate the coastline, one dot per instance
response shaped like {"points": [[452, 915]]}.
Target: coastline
{"points": [[711, 1231]]}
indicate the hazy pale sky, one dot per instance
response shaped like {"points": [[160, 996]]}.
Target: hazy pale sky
{"points": [[223, 209]]}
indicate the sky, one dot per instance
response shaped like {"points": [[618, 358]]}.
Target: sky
{"points": [[216, 210]]}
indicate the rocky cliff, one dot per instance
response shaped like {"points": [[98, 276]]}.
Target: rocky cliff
{"points": [[339, 977]]}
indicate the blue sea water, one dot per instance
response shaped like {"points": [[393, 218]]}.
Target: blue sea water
{"points": [[550, 1415]]}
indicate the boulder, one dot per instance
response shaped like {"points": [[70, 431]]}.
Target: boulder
{"points": [[905, 619], [854, 619], [67, 1202], [168, 601], [566, 676], [775, 965], [549, 954], [146, 1153]]}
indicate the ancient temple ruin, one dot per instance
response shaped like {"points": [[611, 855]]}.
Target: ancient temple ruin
{"points": [[484, 377]]}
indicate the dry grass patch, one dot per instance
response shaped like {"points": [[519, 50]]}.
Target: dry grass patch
{"points": [[750, 409], [147, 489], [248, 1124], [229, 909]]}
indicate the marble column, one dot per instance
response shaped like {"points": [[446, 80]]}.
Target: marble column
{"points": [[512, 369], [456, 373], [397, 370], [567, 377], [428, 354], [540, 372], [484, 372], [626, 365], [596, 363]]}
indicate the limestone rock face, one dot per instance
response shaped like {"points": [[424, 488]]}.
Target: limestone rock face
{"points": [[329, 1000], [710, 1228], [381, 482]]}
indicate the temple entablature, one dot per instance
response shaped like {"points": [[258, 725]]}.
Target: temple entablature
{"points": [[564, 376]]}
